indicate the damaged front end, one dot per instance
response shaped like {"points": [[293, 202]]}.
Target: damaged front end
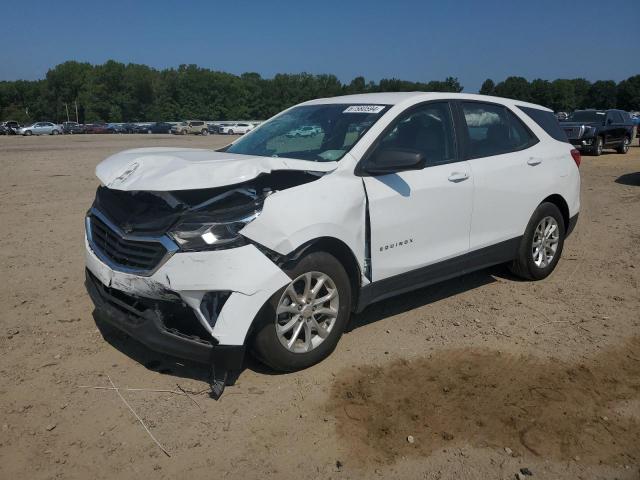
{"points": [[173, 270]]}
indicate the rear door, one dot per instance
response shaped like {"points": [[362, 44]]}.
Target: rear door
{"points": [[509, 168], [610, 128], [421, 217]]}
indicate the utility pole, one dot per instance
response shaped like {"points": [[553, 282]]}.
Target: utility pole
{"points": [[76, 102], [66, 107]]}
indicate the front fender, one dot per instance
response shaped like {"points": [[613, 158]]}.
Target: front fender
{"points": [[332, 206]]}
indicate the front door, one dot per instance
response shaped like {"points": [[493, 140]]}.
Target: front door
{"points": [[420, 217]]}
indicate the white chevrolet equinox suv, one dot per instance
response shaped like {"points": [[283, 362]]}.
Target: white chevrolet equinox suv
{"points": [[270, 243]]}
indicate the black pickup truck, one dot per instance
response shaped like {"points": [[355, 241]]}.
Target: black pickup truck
{"points": [[594, 130]]}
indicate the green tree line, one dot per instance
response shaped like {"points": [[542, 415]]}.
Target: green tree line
{"points": [[118, 92], [115, 92], [568, 95]]}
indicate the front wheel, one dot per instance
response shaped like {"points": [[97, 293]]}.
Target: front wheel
{"points": [[598, 147], [624, 146], [302, 322], [204, 132], [541, 244], [28, 133], [55, 132]]}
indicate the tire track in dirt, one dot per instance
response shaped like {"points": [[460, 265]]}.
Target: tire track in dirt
{"points": [[540, 407]]}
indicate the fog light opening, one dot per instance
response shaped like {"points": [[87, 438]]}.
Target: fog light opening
{"points": [[211, 306]]}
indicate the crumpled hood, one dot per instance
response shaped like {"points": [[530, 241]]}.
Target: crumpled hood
{"points": [[167, 169]]}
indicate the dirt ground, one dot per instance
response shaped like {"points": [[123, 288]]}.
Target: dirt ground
{"points": [[474, 378]]}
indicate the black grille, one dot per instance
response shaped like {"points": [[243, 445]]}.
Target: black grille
{"points": [[572, 132], [134, 254]]}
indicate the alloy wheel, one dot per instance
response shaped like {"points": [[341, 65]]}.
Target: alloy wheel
{"points": [[307, 312], [546, 238]]}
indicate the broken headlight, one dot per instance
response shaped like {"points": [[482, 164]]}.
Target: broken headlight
{"points": [[214, 228]]}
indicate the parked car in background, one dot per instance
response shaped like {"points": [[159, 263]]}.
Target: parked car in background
{"points": [[96, 128], [40, 128], [159, 127], [72, 128], [305, 131], [236, 129], [139, 128], [635, 118], [214, 128], [197, 127], [118, 128], [241, 258], [594, 130], [10, 127]]}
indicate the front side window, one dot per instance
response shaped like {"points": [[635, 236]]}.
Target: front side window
{"points": [[338, 127], [494, 130], [427, 129]]}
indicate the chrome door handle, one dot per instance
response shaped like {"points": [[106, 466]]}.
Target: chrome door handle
{"points": [[458, 176], [534, 161]]}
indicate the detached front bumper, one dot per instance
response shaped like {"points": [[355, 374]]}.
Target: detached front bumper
{"points": [[172, 310], [145, 321]]}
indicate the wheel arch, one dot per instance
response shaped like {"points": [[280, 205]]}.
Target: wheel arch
{"points": [[332, 246], [346, 257], [562, 205]]}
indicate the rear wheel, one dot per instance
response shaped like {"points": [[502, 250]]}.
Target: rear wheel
{"points": [[624, 146], [230, 132], [55, 132], [205, 132], [541, 246], [302, 322]]}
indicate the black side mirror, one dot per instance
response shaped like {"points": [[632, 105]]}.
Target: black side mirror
{"points": [[384, 162]]}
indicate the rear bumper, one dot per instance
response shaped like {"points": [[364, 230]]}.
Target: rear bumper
{"points": [[144, 320]]}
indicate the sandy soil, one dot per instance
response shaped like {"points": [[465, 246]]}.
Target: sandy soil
{"points": [[486, 373]]}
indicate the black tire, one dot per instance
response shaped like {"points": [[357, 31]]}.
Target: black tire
{"points": [[28, 133], [524, 265], [55, 132], [265, 343], [230, 132], [624, 146], [598, 147], [204, 132]]}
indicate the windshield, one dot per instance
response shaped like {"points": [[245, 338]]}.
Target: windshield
{"points": [[335, 129], [586, 116]]}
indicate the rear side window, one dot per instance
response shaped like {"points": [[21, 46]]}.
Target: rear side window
{"points": [[494, 130], [616, 117], [547, 121]]}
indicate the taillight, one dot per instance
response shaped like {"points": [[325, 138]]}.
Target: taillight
{"points": [[576, 157]]}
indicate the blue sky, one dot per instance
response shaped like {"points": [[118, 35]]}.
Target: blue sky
{"points": [[412, 40]]}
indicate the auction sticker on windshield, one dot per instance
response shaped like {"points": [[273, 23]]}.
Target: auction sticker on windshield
{"points": [[364, 109]]}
